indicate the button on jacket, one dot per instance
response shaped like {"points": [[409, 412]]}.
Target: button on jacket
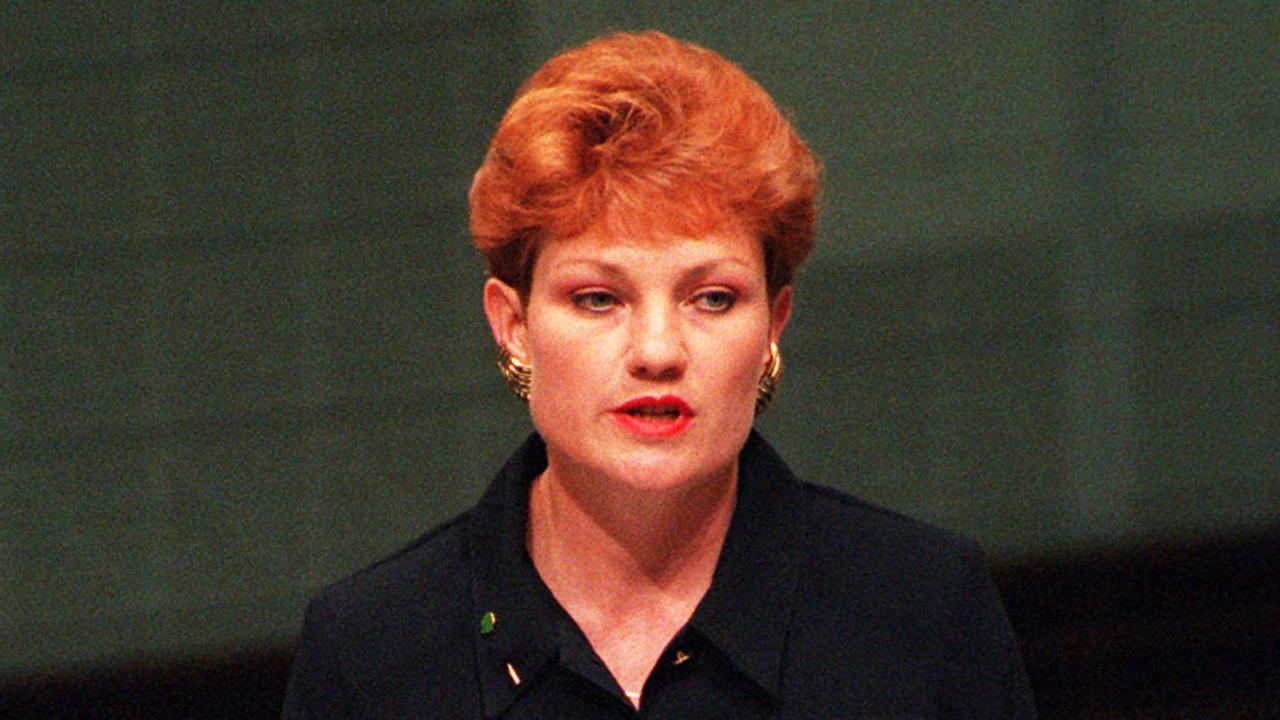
{"points": [[821, 606]]}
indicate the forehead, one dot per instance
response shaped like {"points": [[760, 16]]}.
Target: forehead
{"points": [[651, 251]]}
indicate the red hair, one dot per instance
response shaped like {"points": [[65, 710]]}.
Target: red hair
{"points": [[651, 129]]}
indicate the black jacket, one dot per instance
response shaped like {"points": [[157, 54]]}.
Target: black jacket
{"points": [[821, 607]]}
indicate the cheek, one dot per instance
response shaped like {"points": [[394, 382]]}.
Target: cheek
{"points": [[566, 371], [751, 350], [561, 349], [738, 373]]}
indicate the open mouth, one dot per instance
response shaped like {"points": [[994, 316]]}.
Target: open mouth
{"points": [[655, 417], [656, 412]]}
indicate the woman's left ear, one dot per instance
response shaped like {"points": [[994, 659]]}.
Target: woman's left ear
{"points": [[779, 313]]}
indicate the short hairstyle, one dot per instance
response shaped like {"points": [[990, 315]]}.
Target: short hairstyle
{"points": [[650, 128]]}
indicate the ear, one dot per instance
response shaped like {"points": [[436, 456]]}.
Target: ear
{"points": [[779, 313], [505, 312]]}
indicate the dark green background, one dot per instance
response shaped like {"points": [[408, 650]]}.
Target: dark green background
{"points": [[242, 344]]}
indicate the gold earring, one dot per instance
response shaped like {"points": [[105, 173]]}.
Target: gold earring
{"points": [[767, 387], [517, 375]]}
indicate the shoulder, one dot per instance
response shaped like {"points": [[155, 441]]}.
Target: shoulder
{"points": [[367, 637], [892, 605], [848, 525], [877, 563], [850, 539], [423, 587]]}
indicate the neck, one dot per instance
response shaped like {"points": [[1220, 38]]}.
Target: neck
{"points": [[618, 548]]}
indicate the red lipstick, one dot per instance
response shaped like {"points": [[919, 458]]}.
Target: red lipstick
{"points": [[652, 417]]}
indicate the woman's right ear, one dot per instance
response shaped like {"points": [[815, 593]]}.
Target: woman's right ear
{"points": [[505, 312]]}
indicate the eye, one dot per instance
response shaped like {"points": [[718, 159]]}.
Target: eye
{"points": [[595, 300], [717, 300]]}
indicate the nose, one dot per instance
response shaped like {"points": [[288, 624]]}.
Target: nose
{"points": [[657, 346]]}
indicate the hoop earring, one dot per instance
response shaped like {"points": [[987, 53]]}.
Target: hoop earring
{"points": [[517, 375], [767, 387]]}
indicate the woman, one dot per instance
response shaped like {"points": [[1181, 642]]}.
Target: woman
{"points": [[642, 209]]}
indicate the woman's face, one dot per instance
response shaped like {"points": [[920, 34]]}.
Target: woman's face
{"points": [[645, 353]]}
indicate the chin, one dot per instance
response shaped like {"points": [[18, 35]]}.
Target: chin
{"points": [[656, 472]]}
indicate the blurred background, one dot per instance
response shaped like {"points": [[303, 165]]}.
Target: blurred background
{"points": [[242, 352]]}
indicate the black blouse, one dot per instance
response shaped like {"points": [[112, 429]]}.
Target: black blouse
{"points": [[821, 606]]}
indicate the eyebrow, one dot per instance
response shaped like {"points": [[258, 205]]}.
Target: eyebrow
{"points": [[617, 270]]}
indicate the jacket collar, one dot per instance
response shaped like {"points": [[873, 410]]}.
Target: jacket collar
{"points": [[744, 614], [516, 617], [747, 610]]}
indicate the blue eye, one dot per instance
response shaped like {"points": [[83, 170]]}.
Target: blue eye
{"points": [[595, 300], [715, 300]]}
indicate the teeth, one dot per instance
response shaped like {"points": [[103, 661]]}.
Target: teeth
{"points": [[664, 411]]}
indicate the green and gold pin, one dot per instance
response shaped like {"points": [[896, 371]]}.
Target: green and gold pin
{"points": [[487, 621]]}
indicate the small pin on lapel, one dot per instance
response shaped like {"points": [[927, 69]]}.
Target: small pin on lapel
{"points": [[487, 621]]}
